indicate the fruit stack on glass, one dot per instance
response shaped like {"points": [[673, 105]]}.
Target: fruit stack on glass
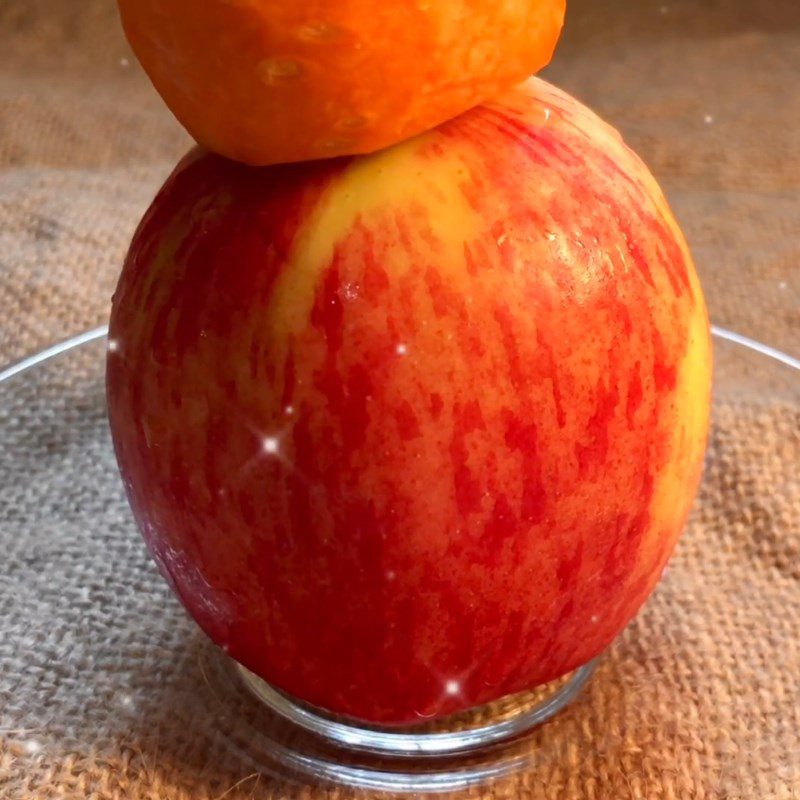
{"points": [[409, 374]]}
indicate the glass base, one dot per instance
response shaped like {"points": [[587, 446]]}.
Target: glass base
{"points": [[292, 740]]}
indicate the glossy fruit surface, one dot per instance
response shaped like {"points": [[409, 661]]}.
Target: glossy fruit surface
{"points": [[412, 431], [269, 81]]}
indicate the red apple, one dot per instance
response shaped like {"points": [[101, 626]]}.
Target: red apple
{"points": [[412, 431]]}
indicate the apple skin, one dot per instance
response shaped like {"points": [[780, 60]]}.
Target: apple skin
{"points": [[413, 431]]}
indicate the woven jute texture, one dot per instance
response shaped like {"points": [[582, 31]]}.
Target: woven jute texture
{"points": [[103, 690]]}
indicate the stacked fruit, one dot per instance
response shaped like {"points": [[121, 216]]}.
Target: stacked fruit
{"points": [[407, 431]]}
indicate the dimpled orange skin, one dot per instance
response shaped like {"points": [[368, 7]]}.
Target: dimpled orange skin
{"points": [[412, 431], [270, 81]]}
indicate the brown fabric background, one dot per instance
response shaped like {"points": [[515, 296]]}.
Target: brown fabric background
{"points": [[100, 692]]}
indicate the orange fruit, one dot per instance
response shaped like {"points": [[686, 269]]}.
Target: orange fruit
{"points": [[267, 81]]}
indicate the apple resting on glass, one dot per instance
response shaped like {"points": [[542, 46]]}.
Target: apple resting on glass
{"points": [[412, 431]]}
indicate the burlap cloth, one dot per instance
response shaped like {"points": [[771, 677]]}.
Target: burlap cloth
{"points": [[100, 691]]}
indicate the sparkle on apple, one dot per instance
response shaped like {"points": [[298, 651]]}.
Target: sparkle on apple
{"points": [[453, 688], [595, 618], [113, 345], [401, 349], [390, 575], [547, 115], [271, 445], [350, 291], [288, 410]]}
